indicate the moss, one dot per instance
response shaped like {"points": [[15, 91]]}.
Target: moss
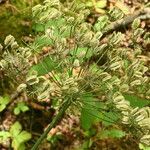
{"points": [[15, 18]]}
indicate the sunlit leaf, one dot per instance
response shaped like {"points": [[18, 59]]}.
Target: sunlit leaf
{"points": [[45, 66], [89, 114], [136, 101], [123, 7], [19, 137], [15, 129], [16, 111], [4, 135], [112, 133], [101, 3], [3, 102], [143, 147]]}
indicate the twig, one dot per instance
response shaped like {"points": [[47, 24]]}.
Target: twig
{"points": [[145, 17], [142, 14], [15, 95]]}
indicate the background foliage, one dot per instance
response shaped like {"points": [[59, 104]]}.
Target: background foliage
{"points": [[75, 65]]}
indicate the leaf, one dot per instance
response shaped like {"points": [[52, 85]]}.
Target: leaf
{"points": [[99, 10], [39, 42], [101, 23], [38, 27], [113, 133], [21, 106], [101, 4], [89, 4], [17, 146], [15, 129], [89, 114], [143, 147], [17, 111], [45, 66], [3, 102], [19, 137], [87, 144], [80, 50], [23, 137], [109, 118], [24, 108], [94, 68], [123, 7], [136, 23], [4, 135], [18, 142], [2, 107], [136, 101], [22, 147]]}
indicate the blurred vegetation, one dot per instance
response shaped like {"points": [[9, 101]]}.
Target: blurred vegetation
{"points": [[15, 18], [71, 60]]}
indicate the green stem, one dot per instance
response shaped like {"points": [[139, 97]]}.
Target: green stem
{"points": [[54, 122]]}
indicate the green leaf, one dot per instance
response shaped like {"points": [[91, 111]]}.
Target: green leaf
{"points": [[89, 115], [17, 111], [15, 129], [4, 135], [19, 137], [15, 144], [24, 108], [23, 137], [39, 42], [109, 118], [45, 66], [89, 4], [136, 23], [101, 4], [88, 52], [101, 23], [123, 7], [38, 27], [3, 102], [136, 101], [143, 147], [22, 147], [87, 144], [113, 133], [18, 146], [21, 106], [2, 107]]}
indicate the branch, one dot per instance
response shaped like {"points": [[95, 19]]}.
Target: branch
{"points": [[142, 14], [15, 95]]}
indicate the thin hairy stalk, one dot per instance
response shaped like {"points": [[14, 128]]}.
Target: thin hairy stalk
{"points": [[74, 53], [87, 84], [54, 122], [94, 78], [95, 62], [83, 60], [54, 77]]}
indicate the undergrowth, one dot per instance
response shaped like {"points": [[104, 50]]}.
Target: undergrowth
{"points": [[75, 68]]}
